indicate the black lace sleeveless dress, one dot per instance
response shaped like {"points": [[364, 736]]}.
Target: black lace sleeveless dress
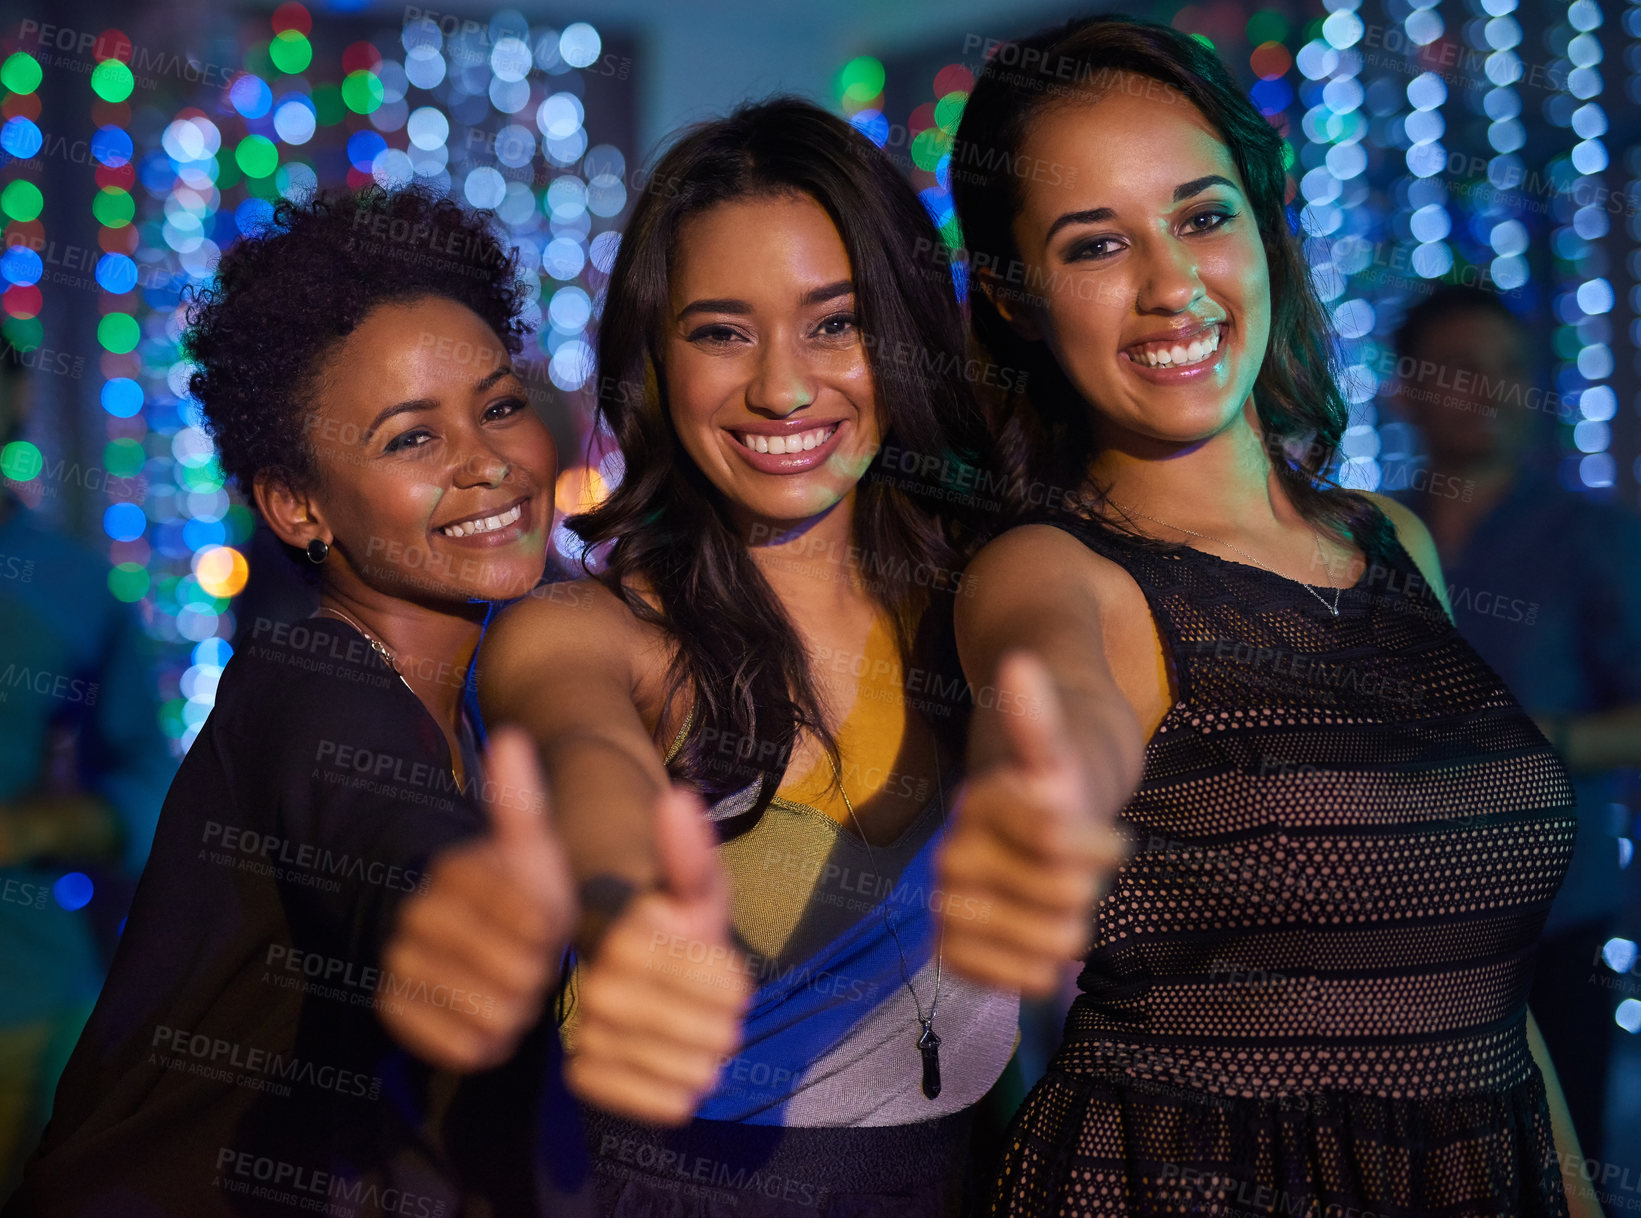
{"points": [[1307, 990]]}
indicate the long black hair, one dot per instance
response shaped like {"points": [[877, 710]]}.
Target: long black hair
{"points": [[738, 659], [1047, 435]]}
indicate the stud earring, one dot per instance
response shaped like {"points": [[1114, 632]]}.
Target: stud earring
{"points": [[317, 551]]}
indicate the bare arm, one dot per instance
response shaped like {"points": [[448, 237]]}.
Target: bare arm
{"points": [[562, 665], [1055, 751], [1581, 1197], [1034, 589]]}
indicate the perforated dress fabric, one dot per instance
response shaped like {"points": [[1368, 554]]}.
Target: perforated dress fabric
{"points": [[1307, 988]]}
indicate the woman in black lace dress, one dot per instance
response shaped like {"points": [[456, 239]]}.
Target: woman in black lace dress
{"points": [[1305, 986]]}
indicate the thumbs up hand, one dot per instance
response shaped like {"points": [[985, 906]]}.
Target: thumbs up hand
{"points": [[490, 925], [1028, 847], [660, 1004]]}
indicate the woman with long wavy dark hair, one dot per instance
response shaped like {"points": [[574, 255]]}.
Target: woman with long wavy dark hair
{"points": [[1330, 835], [771, 629]]}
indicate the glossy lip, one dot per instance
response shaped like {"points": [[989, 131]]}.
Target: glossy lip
{"points": [[496, 537], [787, 463], [1177, 376]]}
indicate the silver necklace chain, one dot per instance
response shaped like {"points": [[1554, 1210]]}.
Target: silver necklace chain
{"points": [[1333, 608]]}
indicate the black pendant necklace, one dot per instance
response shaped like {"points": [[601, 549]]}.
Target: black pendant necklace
{"points": [[928, 1044]]}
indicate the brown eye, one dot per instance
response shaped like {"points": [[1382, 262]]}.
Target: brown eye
{"points": [[408, 440]]}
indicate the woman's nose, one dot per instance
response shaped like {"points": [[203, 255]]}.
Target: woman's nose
{"points": [[1169, 282], [781, 383], [482, 467]]}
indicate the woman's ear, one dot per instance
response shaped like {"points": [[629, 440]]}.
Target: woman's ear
{"points": [[1015, 308], [294, 516]]}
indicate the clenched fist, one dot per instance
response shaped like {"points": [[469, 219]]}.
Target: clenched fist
{"points": [[1028, 849]]}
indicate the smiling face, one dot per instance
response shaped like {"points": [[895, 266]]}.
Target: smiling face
{"points": [[435, 477], [1153, 287], [766, 373]]}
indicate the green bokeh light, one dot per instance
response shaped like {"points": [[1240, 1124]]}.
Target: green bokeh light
{"points": [[128, 581], [119, 333], [23, 333], [21, 461], [290, 51], [257, 156], [21, 73], [949, 109], [22, 200], [112, 81], [860, 81], [929, 147], [362, 92], [1267, 26], [123, 458], [113, 207]]}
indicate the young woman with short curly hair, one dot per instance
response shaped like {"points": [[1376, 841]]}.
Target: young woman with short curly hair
{"points": [[354, 369]]}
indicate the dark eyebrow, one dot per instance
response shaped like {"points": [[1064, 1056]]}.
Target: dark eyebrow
{"points": [[421, 404], [1183, 191], [830, 291]]}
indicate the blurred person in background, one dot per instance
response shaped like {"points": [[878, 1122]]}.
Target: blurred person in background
{"points": [[1545, 584], [83, 770]]}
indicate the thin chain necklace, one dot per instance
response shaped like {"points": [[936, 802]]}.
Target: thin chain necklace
{"points": [[381, 649], [376, 644], [928, 1044], [1333, 608]]}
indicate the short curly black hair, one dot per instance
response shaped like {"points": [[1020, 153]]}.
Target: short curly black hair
{"points": [[285, 294]]}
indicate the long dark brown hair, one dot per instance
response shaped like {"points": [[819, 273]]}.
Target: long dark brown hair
{"points": [[1047, 435], [738, 659]]}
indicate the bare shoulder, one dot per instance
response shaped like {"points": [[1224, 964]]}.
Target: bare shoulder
{"points": [[574, 634], [1038, 563], [553, 619], [1040, 587], [1415, 538]]}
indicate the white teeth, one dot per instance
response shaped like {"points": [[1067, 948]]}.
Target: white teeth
{"points": [[1176, 356], [488, 524], [797, 442]]}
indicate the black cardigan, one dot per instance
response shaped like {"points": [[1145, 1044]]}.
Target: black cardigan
{"points": [[234, 1063]]}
